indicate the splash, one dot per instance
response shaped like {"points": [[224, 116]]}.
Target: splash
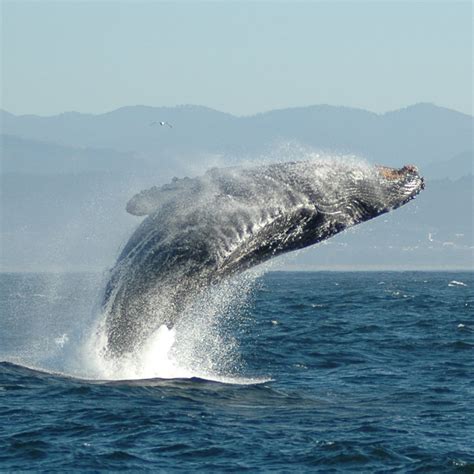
{"points": [[65, 336], [202, 344]]}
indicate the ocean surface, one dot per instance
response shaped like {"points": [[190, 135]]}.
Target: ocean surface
{"points": [[288, 372]]}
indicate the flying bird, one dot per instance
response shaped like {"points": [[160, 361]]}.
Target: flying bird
{"points": [[161, 123]]}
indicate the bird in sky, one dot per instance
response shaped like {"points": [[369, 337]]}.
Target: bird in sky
{"points": [[161, 123]]}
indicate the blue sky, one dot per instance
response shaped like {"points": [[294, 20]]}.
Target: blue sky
{"points": [[241, 58]]}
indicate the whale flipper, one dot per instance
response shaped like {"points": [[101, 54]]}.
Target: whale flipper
{"points": [[150, 200]]}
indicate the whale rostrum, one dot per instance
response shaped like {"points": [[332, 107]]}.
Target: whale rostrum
{"points": [[199, 231]]}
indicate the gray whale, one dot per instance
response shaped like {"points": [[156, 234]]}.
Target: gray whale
{"points": [[201, 230]]}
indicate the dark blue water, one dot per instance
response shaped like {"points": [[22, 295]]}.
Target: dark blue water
{"points": [[370, 372]]}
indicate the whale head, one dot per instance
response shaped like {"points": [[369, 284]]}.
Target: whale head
{"points": [[354, 193], [345, 194], [399, 185]]}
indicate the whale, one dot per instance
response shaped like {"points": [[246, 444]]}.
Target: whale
{"points": [[200, 231]]}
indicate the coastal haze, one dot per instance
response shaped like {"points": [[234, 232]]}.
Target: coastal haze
{"points": [[67, 178]]}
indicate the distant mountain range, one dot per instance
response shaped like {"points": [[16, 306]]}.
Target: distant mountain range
{"points": [[66, 178], [423, 133]]}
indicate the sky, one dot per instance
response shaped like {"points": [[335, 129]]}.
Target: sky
{"points": [[237, 57]]}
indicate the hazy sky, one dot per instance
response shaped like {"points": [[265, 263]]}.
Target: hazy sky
{"points": [[241, 57]]}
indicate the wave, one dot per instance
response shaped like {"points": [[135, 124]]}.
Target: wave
{"points": [[21, 370], [201, 345]]}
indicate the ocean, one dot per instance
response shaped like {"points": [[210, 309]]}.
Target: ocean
{"points": [[284, 372]]}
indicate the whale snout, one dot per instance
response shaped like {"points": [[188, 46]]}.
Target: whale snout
{"points": [[402, 184], [405, 174], [411, 173]]}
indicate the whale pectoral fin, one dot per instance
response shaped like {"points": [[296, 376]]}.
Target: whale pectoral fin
{"points": [[150, 200], [144, 202]]}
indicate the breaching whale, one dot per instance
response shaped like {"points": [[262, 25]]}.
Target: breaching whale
{"points": [[199, 231]]}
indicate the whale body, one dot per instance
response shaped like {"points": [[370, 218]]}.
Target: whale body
{"points": [[202, 230]]}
